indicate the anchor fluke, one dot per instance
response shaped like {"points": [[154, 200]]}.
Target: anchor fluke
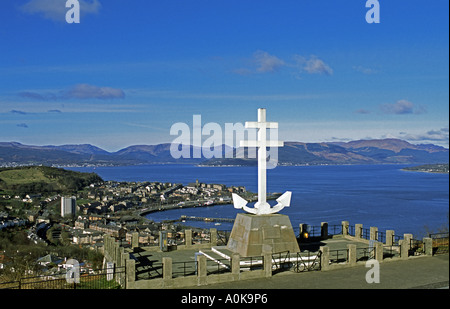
{"points": [[285, 199], [238, 201]]}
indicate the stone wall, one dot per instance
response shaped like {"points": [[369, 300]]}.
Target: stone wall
{"points": [[202, 278], [402, 246]]}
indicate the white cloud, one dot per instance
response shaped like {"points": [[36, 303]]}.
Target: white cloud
{"points": [[15, 111], [80, 91], [362, 111], [56, 9], [402, 107], [65, 107], [311, 65], [266, 62], [332, 130], [223, 96], [85, 91], [37, 96], [242, 71], [418, 132], [440, 136], [314, 65], [364, 70]]}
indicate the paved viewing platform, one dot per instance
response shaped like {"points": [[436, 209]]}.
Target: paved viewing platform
{"points": [[329, 256], [424, 272]]}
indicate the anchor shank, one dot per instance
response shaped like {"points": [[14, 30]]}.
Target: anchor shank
{"points": [[262, 156]]}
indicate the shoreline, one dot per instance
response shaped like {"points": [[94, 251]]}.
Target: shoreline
{"points": [[146, 211], [438, 168], [95, 165], [420, 171]]}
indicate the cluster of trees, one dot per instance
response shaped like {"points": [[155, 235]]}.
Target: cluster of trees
{"points": [[434, 168], [21, 255]]}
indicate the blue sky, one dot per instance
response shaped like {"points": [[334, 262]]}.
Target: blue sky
{"points": [[131, 69]]}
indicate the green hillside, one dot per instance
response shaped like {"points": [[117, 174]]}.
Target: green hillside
{"points": [[43, 180], [430, 168]]}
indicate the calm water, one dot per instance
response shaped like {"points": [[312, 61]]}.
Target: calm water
{"points": [[374, 195]]}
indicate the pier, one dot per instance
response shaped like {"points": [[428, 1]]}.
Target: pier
{"points": [[193, 218]]}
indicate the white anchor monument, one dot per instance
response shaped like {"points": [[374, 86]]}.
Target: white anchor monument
{"points": [[262, 207], [261, 229]]}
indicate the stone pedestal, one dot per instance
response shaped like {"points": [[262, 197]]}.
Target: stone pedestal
{"points": [[253, 235]]}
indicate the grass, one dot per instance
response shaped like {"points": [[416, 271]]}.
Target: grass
{"points": [[14, 177], [44, 180]]}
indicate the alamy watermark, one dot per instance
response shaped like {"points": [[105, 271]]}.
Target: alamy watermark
{"points": [[373, 14], [373, 274], [211, 140], [73, 14], [73, 271]]}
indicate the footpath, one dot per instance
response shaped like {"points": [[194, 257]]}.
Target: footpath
{"points": [[418, 272]]}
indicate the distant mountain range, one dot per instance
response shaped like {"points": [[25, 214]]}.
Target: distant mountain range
{"points": [[380, 151], [293, 153]]}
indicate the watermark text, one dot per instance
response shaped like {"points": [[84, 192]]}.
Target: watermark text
{"points": [[211, 140], [373, 14], [373, 274], [73, 14]]}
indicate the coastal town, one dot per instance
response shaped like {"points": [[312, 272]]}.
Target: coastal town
{"points": [[117, 209]]}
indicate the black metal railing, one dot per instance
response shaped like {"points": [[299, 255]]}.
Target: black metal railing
{"points": [[351, 230], [251, 263], [184, 269], [416, 247], [440, 242], [314, 231], [306, 261], [381, 236], [95, 279], [391, 251], [149, 270], [334, 230], [281, 260], [365, 233], [365, 253], [222, 237], [298, 262], [218, 266], [338, 256], [10, 285], [396, 239]]}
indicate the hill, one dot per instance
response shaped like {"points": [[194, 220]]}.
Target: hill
{"points": [[158, 154], [43, 179], [379, 151], [398, 151], [13, 153], [355, 152]]}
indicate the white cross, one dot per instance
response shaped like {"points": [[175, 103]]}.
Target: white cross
{"points": [[262, 207]]}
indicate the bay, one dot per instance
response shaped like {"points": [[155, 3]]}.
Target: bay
{"points": [[373, 195]]}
